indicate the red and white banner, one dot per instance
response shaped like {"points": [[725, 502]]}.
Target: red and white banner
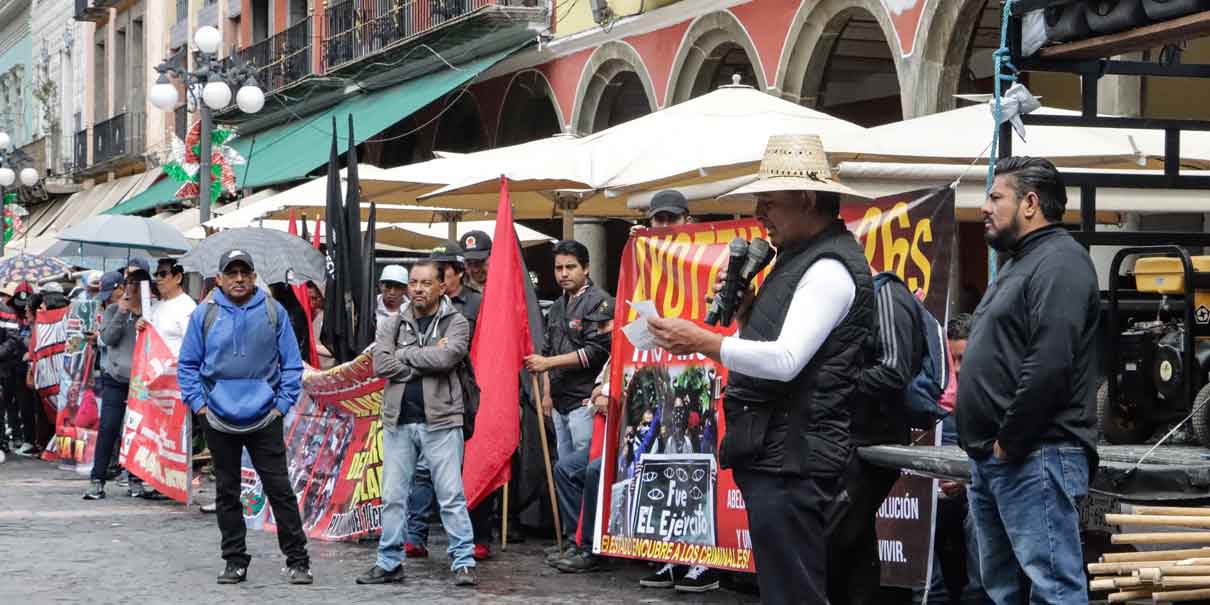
{"points": [[156, 439]]}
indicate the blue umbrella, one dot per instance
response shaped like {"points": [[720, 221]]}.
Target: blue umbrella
{"points": [[27, 267]]}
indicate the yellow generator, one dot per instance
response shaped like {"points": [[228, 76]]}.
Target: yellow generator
{"points": [[1162, 354]]}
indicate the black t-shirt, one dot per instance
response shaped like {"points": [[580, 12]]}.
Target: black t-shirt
{"points": [[413, 395]]}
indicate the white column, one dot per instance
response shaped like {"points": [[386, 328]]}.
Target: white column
{"points": [[591, 233]]}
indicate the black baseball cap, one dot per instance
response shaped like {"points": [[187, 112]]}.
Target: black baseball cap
{"points": [[476, 245], [448, 252], [668, 200], [110, 282], [233, 256]]}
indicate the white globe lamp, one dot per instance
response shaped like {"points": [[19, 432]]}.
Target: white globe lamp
{"points": [[164, 95], [207, 39], [250, 98], [216, 95], [29, 177], [7, 177]]}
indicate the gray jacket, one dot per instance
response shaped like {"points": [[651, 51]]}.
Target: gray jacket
{"points": [[402, 354], [118, 335]]}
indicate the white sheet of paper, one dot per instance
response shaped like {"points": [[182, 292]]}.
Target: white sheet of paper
{"points": [[637, 331], [145, 297]]}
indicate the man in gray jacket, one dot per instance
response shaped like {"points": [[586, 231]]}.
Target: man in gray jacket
{"points": [[419, 351]]}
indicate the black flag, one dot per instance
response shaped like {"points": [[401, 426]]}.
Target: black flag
{"points": [[337, 324]]}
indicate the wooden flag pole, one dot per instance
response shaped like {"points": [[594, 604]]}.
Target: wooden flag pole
{"points": [[504, 520], [550, 477]]}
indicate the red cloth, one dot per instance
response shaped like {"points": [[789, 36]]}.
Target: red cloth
{"points": [[293, 224], [304, 299], [315, 236], [87, 416], [500, 345]]}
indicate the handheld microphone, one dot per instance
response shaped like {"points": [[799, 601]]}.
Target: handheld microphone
{"points": [[723, 305], [760, 253]]}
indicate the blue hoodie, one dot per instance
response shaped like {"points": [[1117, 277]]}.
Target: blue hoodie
{"points": [[241, 370]]}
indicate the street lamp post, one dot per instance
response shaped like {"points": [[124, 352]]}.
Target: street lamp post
{"points": [[209, 86], [14, 165]]}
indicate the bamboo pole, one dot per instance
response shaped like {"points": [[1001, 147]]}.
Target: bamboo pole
{"points": [[1173, 570], [1154, 555], [1180, 595], [1170, 520], [1129, 595], [504, 520], [1185, 582], [1115, 583], [1171, 510], [1176, 537], [1098, 569], [550, 476]]}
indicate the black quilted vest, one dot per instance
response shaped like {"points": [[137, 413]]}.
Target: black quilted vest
{"points": [[801, 427]]}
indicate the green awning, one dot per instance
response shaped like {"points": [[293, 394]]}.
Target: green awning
{"points": [[290, 151]]}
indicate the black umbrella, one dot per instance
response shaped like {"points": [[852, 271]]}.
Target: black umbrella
{"points": [[276, 254]]}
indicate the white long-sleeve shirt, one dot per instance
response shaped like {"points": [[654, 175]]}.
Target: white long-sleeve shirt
{"points": [[821, 301]]}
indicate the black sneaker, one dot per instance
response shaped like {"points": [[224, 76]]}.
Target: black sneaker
{"points": [[378, 575], [465, 576], [136, 489], [96, 490], [664, 578], [698, 579], [233, 574], [580, 562], [299, 574], [555, 557]]}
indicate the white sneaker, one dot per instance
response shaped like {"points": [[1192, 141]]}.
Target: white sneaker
{"points": [[25, 449]]}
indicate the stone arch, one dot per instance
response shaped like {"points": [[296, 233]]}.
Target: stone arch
{"points": [[958, 30], [819, 31], [529, 110], [614, 74], [714, 47], [460, 128]]}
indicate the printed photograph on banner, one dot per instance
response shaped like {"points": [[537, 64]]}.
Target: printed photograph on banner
{"points": [[79, 413], [664, 430], [334, 456]]}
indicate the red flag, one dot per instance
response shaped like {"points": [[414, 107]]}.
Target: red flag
{"points": [[501, 343], [304, 300], [293, 225], [315, 241]]}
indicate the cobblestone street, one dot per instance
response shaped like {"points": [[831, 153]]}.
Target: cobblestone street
{"points": [[57, 548]]}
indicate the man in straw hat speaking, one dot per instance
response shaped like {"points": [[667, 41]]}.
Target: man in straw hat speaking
{"points": [[793, 367]]}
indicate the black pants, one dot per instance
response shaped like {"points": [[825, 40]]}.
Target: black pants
{"points": [[482, 517], [267, 448], [11, 404], [786, 522], [854, 571], [113, 412]]}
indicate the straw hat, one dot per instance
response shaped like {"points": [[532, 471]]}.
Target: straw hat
{"points": [[796, 162]]}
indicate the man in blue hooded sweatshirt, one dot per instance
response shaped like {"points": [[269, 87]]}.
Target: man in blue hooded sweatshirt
{"points": [[241, 370]]}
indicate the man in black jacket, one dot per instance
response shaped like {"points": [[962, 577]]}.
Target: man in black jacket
{"points": [[577, 347], [894, 352], [1025, 405], [793, 368]]}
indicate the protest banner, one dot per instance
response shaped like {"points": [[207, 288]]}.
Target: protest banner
{"points": [[49, 342], [334, 449], [156, 436], [671, 405], [79, 413]]}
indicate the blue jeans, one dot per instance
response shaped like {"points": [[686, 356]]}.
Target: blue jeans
{"points": [[573, 430], [972, 593], [420, 504], [569, 484], [402, 448], [1027, 518]]}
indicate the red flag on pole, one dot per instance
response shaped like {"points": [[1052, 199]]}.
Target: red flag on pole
{"points": [[293, 224], [315, 241], [501, 343]]}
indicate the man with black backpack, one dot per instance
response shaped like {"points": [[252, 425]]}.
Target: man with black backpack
{"points": [[896, 354], [421, 352], [241, 370]]}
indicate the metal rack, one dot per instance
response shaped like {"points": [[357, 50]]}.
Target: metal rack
{"points": [[1090, 59]]}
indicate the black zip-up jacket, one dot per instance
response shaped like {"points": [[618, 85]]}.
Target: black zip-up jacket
{"points": [[894, 353], [12, 346], [1029, 374], [574, 325]]}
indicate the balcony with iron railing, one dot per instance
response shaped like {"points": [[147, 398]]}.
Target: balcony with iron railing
{"points": [[79, 149], [283, 59], [116, 139], [356, 29]]}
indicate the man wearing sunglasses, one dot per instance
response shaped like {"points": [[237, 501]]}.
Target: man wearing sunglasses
{"points": [[170, 315], [241, 369]]}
